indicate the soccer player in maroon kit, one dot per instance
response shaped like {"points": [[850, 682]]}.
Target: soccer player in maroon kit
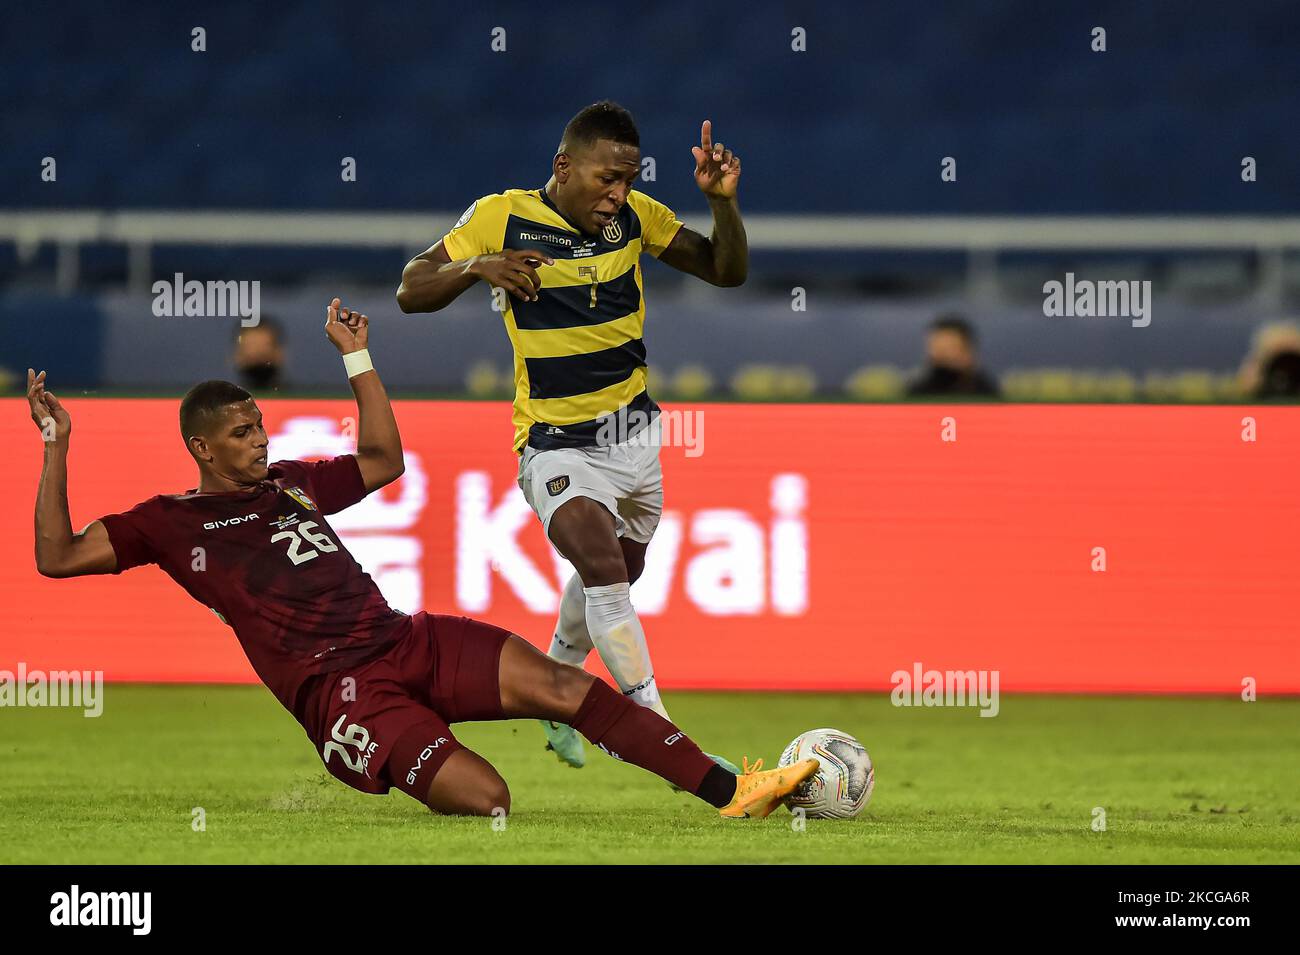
{"points": [[375, 689]]}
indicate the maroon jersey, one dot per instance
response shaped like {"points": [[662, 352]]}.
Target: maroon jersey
{"points": [[269, 565]]}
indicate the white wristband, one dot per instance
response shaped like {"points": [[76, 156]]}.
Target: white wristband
{"points": [[357, 362]]}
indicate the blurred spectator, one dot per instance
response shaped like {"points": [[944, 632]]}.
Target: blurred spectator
{"points": [[1265, 367], [1280, 377], [952, 362], [259, 356]]}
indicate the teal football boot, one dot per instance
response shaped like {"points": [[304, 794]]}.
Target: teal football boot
{"points": [[564, 741]]}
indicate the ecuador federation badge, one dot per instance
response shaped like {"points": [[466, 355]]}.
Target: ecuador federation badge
{"points": [[556, 485]]}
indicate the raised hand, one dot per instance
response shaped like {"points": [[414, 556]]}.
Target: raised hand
{"points": [[347, 329], [50, 416], [717, 169]]}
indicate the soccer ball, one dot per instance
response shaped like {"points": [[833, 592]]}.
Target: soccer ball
{"points": [[842, 787]]}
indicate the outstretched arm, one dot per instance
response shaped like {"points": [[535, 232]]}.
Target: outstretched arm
{"points": [[60, 552], [722, 259], [379, 445]]}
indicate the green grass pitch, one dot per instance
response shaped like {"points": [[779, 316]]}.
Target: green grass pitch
{"points": [[1181, 780]]}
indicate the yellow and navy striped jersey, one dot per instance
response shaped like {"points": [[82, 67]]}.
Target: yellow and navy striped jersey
{"points": [[579, 354]]}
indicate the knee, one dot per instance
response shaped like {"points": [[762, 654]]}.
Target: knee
{"points": [[600, 569], [569, 686], [490, 798], [495, 799], [468, 785]]}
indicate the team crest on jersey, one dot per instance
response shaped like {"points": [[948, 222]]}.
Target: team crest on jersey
{"points": [[612, 232], [556, 485], [299, 495]]}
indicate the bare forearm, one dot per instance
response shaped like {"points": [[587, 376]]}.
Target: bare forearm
{"points": [[729, 244], [429, 286], [377, 434], [53, 523]]}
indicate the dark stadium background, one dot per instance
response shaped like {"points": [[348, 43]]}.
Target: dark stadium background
{"points": [[1115, 537], [1041, 127]]}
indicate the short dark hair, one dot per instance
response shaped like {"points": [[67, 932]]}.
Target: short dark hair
{"points": [[958, 324], [603, 120], [203, 402]]}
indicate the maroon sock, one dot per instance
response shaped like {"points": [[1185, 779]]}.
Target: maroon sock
{"points": [[638, 735]]}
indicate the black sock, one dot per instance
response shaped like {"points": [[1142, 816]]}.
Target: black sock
{"points": [[718, 788]]}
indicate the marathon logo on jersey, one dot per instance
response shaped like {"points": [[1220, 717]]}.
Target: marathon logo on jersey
{"points": [[557, 485], [419, 763], [545, 237], [226, 522], [299, 495]]}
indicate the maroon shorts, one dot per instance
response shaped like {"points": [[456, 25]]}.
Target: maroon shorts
{"points": [[385, 723]]}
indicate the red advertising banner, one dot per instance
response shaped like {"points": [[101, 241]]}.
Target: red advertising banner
{"points": [[805, 547]]}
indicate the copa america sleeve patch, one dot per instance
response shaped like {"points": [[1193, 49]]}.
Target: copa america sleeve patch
{"points": [[465, 216]]}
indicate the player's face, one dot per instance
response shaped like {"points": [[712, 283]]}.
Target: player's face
{"points": [[946, 348], [601, 178], [238, 443]]}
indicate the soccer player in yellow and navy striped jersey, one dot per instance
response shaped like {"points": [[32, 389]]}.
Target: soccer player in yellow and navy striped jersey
{"points": [[566, 258], [578, 349]]}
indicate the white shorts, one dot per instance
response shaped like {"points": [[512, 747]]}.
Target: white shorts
{"points": [[626, 478]]}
